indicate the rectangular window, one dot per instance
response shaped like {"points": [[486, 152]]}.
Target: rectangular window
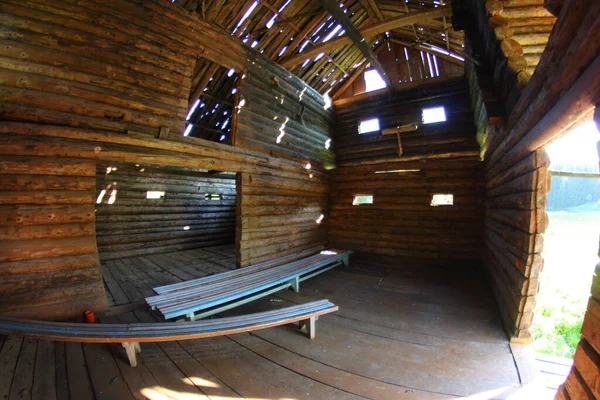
{"points": [[369, 125], [373, 80], [155, 194], [442, 200], [435, 114], [212, 196], [362, 199]]}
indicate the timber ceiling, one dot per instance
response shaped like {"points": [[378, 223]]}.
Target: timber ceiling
{"points": [[303, 37], [292, 32]]}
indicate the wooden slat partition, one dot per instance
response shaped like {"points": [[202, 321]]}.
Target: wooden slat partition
{"points": [[48, 257], [185, 218], [279, 216], [96, 81], [440, 158], [281, 115]]}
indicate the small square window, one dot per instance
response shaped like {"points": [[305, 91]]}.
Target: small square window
{"points": [[155, 194], [373, 81], [442, 200], [436, 114], [362, 199], [369, 125]]}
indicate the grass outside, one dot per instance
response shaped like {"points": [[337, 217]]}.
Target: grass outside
{"points": [[570, 257]]}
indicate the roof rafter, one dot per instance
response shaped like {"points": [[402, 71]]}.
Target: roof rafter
{"points": [[354, 34], [369, 32]]}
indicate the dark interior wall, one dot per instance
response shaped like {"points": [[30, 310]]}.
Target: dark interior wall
{"points": [[187, 217], [96, 81], [439, 158]]}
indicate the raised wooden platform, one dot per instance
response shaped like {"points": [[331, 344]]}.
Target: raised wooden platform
{"points": [[399, 334]]}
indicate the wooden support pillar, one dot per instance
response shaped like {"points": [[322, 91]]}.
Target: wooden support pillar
{"points": [[346, 261], [311, 326], [295, 284], [132, 348]]}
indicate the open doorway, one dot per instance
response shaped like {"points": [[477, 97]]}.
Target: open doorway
{"points": [[570, 251], [161, 225]]}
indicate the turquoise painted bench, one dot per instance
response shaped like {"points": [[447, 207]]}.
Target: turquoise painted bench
{"points": [[131, 335], [200, 298]]}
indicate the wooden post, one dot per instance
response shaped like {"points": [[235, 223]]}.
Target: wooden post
{"points": [[295, 284], [132, 348], [311, 326]]}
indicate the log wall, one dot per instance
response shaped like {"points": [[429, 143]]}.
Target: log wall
{"points": [[129, 224], [48, 257], [562, 92], [439, 158], [96, 81], [281, 115]]}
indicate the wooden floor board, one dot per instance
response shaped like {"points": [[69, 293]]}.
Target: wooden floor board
{"points": [[22, 382], [399, 334], [44, 376], [8, 361], [80, 386], [60, 374]]}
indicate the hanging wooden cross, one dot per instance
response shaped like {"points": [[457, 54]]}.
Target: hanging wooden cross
{"points": [[398, 130]]}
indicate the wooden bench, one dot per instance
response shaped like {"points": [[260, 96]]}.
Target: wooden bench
{"points": [[217, 293], [131, 335]]}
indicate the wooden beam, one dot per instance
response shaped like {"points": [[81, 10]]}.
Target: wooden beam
{"points": [[442, 56], [369, 32], [338, 14]]}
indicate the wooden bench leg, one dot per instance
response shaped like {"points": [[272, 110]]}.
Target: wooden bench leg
{"points": [[311, 326], [295, 284], [132, 348]]}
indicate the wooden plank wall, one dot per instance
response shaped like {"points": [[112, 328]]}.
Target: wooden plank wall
{"points": [[441, 158], [281, 115], [411, 71], [96, 80], [48, 257], [130, 224], [278, 216], [562, 92]]}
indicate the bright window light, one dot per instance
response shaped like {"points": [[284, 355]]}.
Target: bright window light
{"points": [[369, 125], [155, 194], [436, 114], [373, 80], [332, 33], [188, 129], [362, 199], [442, 200]]}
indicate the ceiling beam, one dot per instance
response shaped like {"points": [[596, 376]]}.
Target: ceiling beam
{"points": [[450, 57], [352, 31], [369, 32]]}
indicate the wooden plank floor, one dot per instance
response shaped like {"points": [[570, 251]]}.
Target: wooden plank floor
{"points": [[399, 334]]}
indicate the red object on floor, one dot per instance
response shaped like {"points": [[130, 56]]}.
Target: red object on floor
{"points": [[90, 317]]}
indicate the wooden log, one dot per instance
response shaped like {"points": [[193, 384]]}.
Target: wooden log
{"points": [[494, 7], [511, 47]]}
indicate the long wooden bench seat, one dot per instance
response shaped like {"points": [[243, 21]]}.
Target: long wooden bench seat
{"points": [[131, 335], [220, 292]]}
